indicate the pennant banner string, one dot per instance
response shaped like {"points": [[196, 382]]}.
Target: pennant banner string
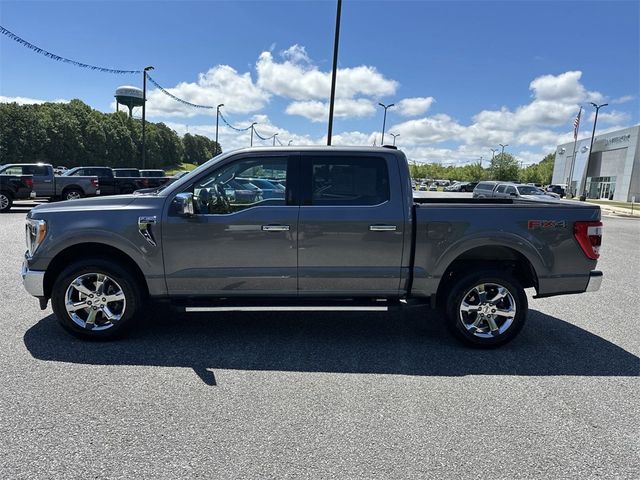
{"points": [[163, 90], [58, 58]]}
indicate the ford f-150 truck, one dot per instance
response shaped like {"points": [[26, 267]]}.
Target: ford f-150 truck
{"points": [[346, 235], [14, 187], [48, 185]]}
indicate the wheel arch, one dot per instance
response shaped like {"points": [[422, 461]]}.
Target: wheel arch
{"points": [[488, 257], [87, 250]]}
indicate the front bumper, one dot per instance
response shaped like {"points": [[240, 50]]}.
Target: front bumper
{"points": [[33, 281], [595, 280]]}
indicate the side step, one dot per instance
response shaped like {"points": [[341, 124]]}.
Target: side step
{"points": [[300, 308]]}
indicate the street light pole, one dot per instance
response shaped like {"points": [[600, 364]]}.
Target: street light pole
{"points": [[144, 111], [254, 123], [332, 99], [493, 152], [394, 135], [384, 121], [218, 118], [274, 139], [505, 145], [586, 168]]}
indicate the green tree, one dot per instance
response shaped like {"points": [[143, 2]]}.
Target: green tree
{"points": [[504, 167]]}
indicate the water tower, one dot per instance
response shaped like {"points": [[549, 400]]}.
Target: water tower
{"points": [[129, 96]]}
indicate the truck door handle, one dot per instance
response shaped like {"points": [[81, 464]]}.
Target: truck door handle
{"points": [[383, 228], [275, 228]]}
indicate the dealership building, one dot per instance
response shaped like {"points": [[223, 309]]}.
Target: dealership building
{"points": [[614, 165]]}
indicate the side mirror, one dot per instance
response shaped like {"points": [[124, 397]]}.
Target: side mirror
{"points": [[184, 204]]}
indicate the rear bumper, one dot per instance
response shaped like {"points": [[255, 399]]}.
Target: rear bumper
{"points": [[33, 281], [595, 280]]}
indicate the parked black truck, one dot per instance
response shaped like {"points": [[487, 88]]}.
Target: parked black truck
{"points": [[115, 181], [14, 187]]}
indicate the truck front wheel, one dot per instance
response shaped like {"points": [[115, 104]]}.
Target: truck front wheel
{"points": [[486, 308], [6, 200], [96, 299]]}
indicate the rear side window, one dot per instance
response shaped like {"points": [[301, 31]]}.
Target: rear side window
{"points": [[35, 170], [347, 181], [12, 171], [501, 188]]}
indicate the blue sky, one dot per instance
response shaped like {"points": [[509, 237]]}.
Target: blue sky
{"points": [[464, 76]]}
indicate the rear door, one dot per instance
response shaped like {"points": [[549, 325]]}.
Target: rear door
{"points": [[352, 226]]}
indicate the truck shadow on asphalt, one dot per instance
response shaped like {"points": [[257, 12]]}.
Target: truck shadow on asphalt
{"points": [[412, 342]]}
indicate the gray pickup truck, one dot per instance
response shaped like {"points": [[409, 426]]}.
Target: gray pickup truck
{"points": [[48, 185], [345, 235]]}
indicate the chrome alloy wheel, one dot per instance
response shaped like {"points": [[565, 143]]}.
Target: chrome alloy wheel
{"points": [[487, 310], [4, 201], [73, 195], [95, 301]]}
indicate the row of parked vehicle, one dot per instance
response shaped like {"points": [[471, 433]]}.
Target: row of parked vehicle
{"points": [[19, 181], [494, 189], [30, 181]]}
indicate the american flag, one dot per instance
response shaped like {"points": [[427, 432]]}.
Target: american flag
{"points": [[576, 125]]}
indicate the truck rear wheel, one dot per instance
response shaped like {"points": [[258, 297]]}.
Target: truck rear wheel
{"points": [[96, 299], [72, 194], [486, 308], [6, 201]]}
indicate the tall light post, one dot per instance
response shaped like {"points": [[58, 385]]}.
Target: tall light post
{"points": [[218, 118], [394, 135], [586, 167], [252, 125], [493, 152], [144, 111], [274, 139], [384, 121], [332, 99], [505, 145]]}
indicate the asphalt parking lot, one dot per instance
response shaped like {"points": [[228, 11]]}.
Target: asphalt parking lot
{"points": [[285, 395]]}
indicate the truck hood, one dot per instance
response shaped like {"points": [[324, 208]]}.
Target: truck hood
{"points": [[85, 204]]}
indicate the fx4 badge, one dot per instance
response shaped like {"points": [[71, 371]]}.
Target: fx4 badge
{"points": [[545, 224]]}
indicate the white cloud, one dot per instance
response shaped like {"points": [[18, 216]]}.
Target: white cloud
{"points": [[612, 117], [437, 128], [295, 79], [296, 54], [623, 99], [220, 84], [412, 107], [317, 111], [29, 101]]}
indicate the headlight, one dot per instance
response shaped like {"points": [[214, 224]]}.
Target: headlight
{"points": [[36, 231]]}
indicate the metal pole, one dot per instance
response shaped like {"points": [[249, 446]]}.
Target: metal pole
{"points": [[583, 183], [144, 104], [332, 99], [274, 139], [394, 135], [384, 121], [217, 118], [493, 152], [252, 132]]}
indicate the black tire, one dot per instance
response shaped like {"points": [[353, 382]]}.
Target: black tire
{"points": [[6, 201], [462, 323], [72, 194], [120, 278]]}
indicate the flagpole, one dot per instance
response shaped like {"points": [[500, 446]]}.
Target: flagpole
{"points": [[573, 159]]}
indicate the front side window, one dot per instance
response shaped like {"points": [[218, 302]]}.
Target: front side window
{"points": [[501, 189], [349, 181], [242, 184]]}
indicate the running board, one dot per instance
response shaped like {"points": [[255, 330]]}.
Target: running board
{"points": [[288, 309]]}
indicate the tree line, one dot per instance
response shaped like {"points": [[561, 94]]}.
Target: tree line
{"points": [[73, 134], [503, 167]]}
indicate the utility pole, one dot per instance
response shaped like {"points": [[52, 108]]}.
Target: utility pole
{"points": [[384, 121], [218, 118], [332, 99], [144, 110]]}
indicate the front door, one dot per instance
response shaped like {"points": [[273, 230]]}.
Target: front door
{"points": [[239, 241], [352, 225]]}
